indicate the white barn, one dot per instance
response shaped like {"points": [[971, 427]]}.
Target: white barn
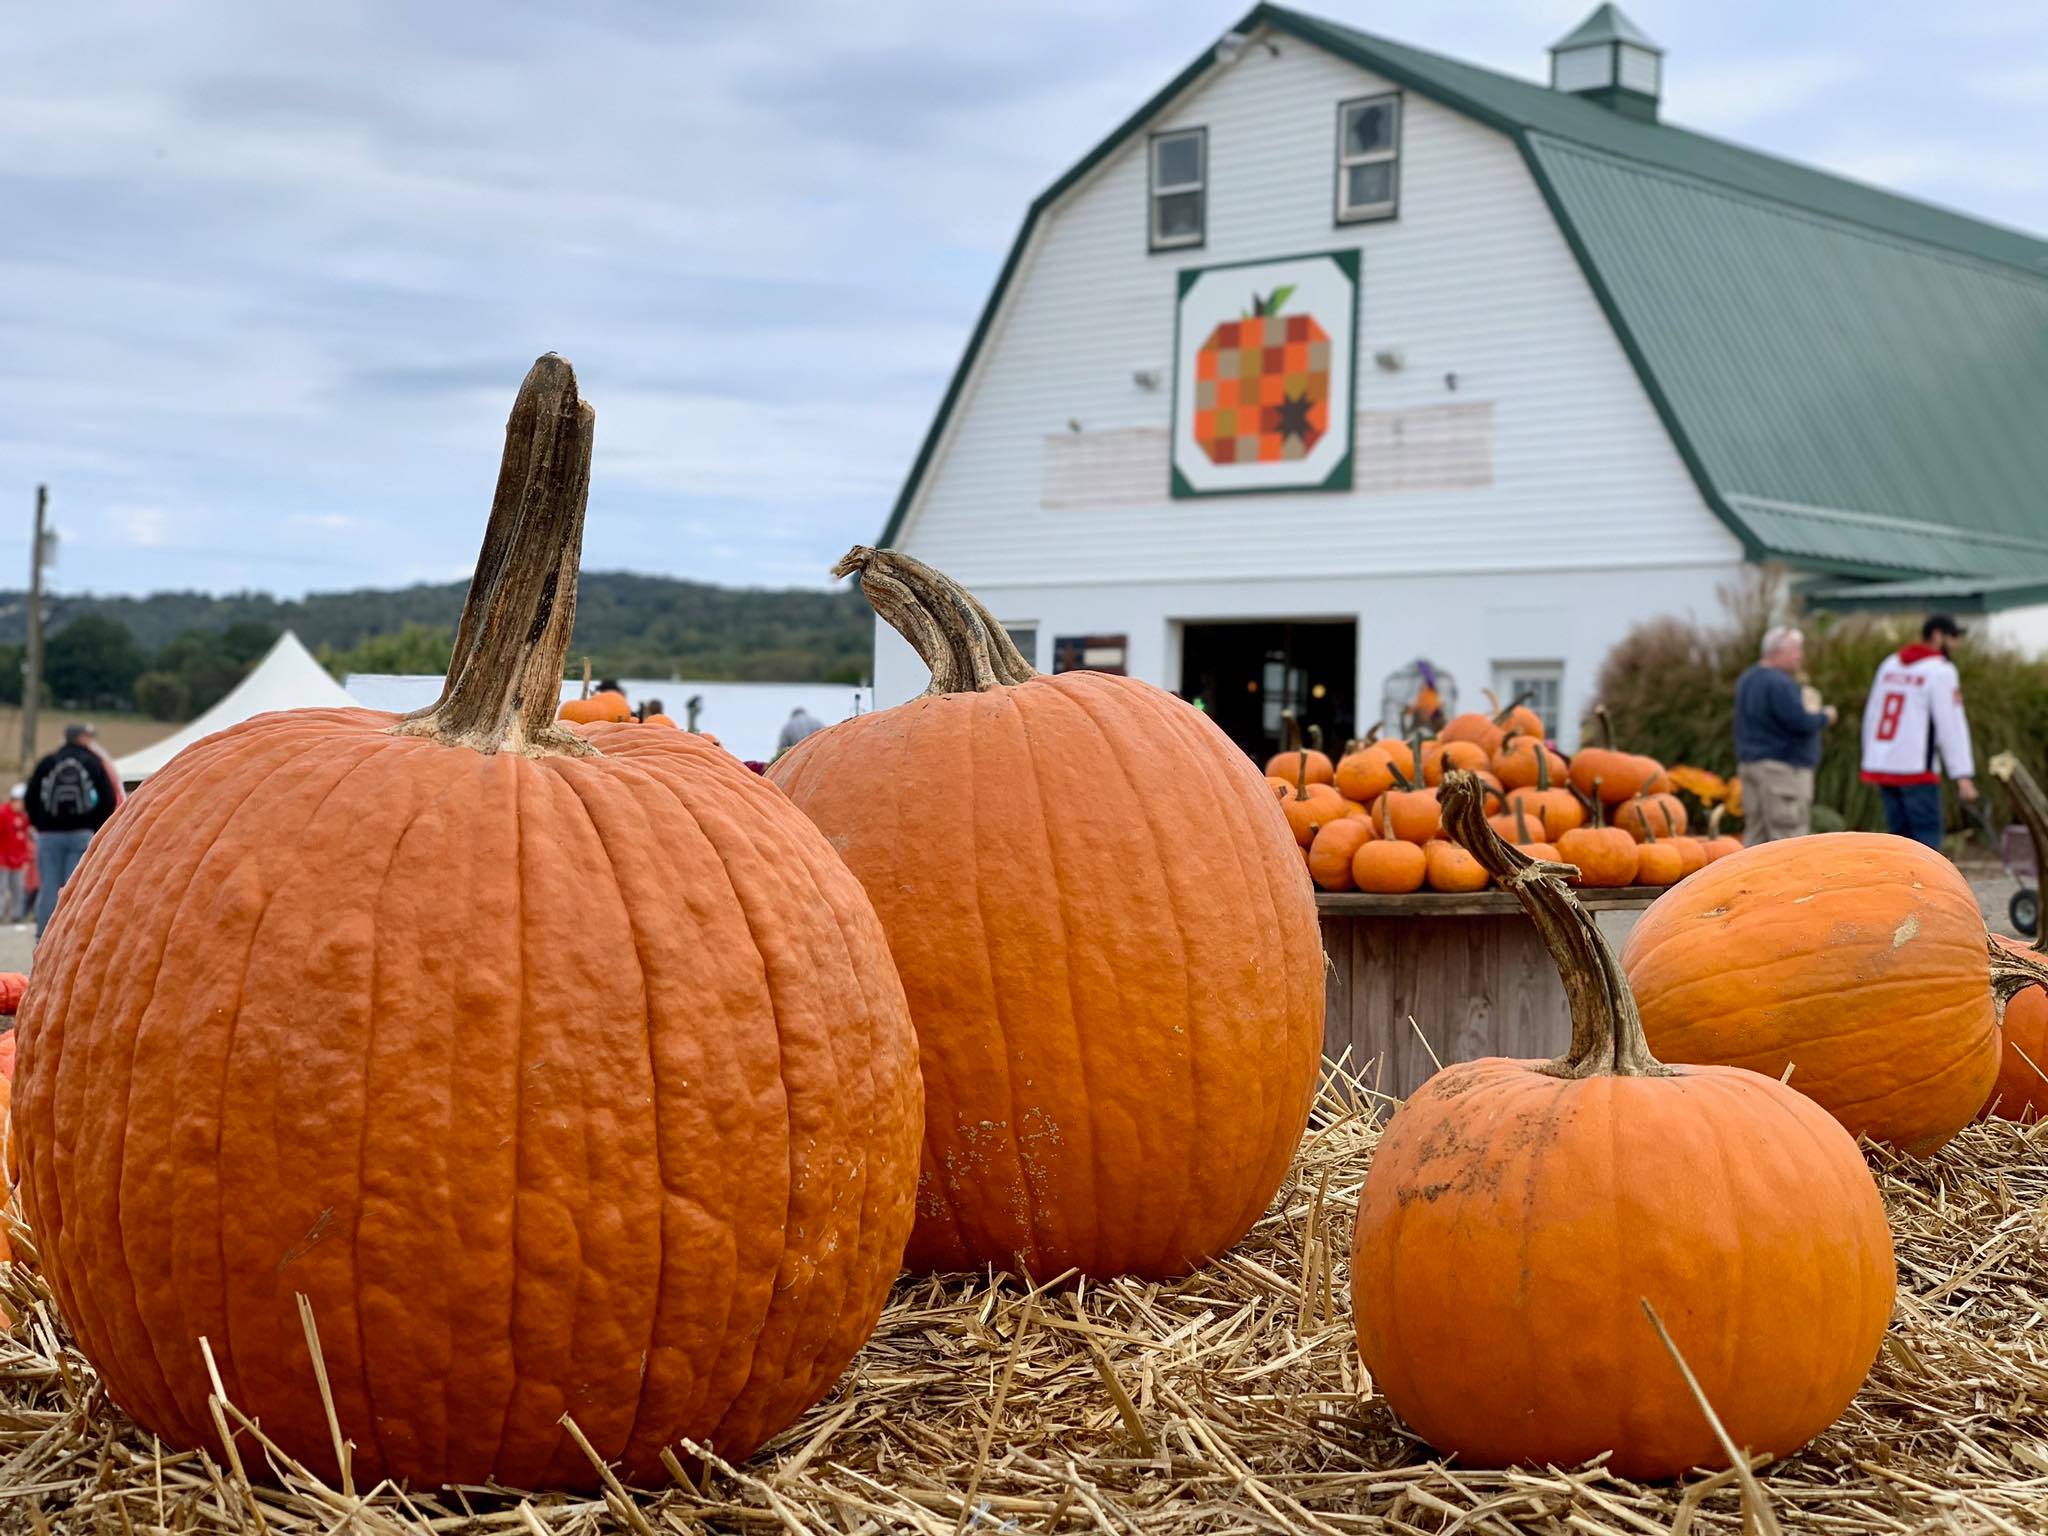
{"points": [[1528, 366]]}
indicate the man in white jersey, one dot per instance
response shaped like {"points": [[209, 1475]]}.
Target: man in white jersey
{"points": [[1915, 711]]}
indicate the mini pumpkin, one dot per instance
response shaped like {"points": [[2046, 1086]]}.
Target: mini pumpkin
{"points": [[601, 708], [1105, 982], [1638, 815], [1620, 775], [1519, 1217], [1604, 855], [658, 1177], [1448, 867], [1330, 855], [1366, 774], [1389, 866]]}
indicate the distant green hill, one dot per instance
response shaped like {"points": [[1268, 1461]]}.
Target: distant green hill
{"points": [[642, 626]]}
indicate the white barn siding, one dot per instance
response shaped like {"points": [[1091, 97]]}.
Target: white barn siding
{"points": [[1544, 478]]}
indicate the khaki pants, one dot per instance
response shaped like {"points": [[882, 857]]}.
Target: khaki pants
{"points": [[1777, 801]]}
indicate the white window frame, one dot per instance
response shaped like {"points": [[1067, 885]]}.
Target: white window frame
{"points": [[1012, 627], [1155, 190], [1510, 676], [1366, 213]]}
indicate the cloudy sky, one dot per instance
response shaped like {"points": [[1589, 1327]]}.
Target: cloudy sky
{"points": [[269, 274]]}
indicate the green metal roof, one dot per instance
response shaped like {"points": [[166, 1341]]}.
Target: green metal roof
{"points": [[1857, 381], [1605, 25], [1956, 594]]}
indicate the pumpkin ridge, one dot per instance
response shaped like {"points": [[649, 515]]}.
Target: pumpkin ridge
{"points": [[93, 896], [1066, 949], [1176, 1234], [225, 1356], [1216, 772], [374, 906], [650, 841]]}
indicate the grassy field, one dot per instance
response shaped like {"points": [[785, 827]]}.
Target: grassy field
{"points": [[119, 734]]}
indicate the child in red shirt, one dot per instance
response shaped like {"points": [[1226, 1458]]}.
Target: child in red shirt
{"points": [[17, 855]]}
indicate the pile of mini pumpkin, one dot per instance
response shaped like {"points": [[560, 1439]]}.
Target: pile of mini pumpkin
{"points": [[1372, 821]]}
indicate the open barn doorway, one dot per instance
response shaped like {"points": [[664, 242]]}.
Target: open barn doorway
{"points": [[1248, 675]]}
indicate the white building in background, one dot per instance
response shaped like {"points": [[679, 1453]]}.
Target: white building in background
{"points": [[745, 717], [1526, 367]]}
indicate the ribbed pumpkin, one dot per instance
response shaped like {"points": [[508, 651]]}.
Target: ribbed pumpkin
{"points": [[1620, 775], [311, 1020], [1330, 855], [1118, 993], [1519, 1214], [602, 708], [1857, 959], [1387, 865], [1663, 813], [2021, 1089], [1603, 855]]}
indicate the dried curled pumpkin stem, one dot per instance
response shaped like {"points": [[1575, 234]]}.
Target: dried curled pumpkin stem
{"points": [[2013, 971], [967, 650], [2032, 807], [1607, 1032], [505, 679]]}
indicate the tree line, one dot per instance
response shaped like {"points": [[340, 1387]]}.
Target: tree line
{"points": [[172, 655]]}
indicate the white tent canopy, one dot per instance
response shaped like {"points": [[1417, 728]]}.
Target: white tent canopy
{"points": [[287, 678], [745, 717]]}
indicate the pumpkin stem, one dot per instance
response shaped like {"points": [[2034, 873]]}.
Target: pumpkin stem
{"points": [[958, 639], [505, 680], [2032, 807], [1502, 711], [1606, 726], [1607, 1032], [2013, 971]]}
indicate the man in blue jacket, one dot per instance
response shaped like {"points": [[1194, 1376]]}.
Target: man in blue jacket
{"points": [[1777, 741]]}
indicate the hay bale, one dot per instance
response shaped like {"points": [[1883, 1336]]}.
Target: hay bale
{"points": [[1231, 1401]]}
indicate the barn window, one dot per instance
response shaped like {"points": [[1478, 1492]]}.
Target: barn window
{"points": [[1539, 684], [1025, 638], [1179, 188], [1368, 158]]}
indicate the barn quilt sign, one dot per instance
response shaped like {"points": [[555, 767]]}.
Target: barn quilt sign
{"points": [[1265, 356]]}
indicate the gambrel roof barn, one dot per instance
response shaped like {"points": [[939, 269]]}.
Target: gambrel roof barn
{"points": [[1595, 361]]}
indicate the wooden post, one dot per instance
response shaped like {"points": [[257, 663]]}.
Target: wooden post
{"points": [[32, 652]]}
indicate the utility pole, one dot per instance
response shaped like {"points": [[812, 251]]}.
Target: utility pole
{"points": [[32, 653]]}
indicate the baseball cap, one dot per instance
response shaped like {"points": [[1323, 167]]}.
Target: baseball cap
{"points": [[1941, 624]]}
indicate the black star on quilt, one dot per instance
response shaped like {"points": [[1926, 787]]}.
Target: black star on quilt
{"points": [[1294, 420]]}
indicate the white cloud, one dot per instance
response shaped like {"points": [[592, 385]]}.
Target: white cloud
{"points": [[143, 527]]}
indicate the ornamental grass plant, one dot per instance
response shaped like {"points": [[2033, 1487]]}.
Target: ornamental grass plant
{"points": [[1669, 688]]}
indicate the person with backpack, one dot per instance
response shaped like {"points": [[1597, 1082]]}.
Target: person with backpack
{"points": [[70, 796]]}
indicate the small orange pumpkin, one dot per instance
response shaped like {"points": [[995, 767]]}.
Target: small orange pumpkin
{"points": [[1388, 866], [1448, 867], [661, 719], [603, 708], [1519, 1217], [1524, 760], [1439, 756], [1621, 775], [1605, 856], [1638, 815], [1330, 855]]}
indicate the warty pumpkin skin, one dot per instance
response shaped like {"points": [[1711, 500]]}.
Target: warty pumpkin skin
{"points": [[310, 1021], [1858, 959], [1518, 1213], [1119, 998]]}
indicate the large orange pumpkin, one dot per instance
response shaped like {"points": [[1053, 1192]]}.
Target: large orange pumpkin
{"points": [[1519, 1214], [1107, 982], [2021, 1089], [1857, 959], [311, 1021]]}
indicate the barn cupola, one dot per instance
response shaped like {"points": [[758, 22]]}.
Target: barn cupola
{"points": [[1607, 58]]}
